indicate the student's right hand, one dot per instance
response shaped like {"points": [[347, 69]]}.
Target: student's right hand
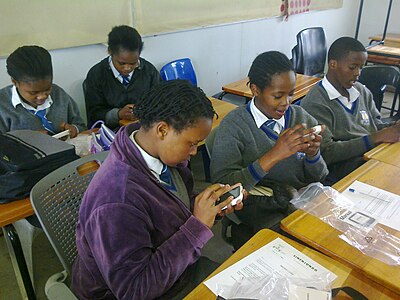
{"points": [[126, 113], [387, 135], [204, 204], [293, 140]]}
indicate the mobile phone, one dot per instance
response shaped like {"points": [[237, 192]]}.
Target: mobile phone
{"points": [[237, 194], [317, 130]]}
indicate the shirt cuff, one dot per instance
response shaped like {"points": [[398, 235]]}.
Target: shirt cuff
{"points": [[112, 119], [313, 159]]}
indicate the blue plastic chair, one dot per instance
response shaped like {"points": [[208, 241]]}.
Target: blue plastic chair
{"points": [[179, 69]]}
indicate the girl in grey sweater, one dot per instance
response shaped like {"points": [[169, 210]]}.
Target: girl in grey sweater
{"points": [[33, 101]]}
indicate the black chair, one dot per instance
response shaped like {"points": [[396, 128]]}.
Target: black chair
{"points": [[309, 55], [376, 78]]}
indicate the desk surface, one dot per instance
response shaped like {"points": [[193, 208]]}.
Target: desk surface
{"points": [[391, 39], [323, 237], [222, 108], [303, 84], [346, 276], [388, 153], [384, 51]]}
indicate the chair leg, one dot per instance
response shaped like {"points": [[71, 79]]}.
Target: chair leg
{"points": [[27, 234], [392, 109], [206, 163], [18, 262]]}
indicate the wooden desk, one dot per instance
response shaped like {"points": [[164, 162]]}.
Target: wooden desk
{"points": [[391, 39], [303, 84], [388, 153], [323, 237], [384, 55], [346, 276], [222, 108]]}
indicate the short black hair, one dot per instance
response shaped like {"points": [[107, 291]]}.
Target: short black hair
{"points": [[266, 65], [124, 38], [176, 102], [29, 63], [343, 46]]}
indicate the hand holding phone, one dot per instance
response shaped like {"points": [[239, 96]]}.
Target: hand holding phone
{"points": [[236, 192], [316, 130]]}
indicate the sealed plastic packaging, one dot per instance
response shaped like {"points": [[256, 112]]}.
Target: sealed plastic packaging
{"points": [[275, 286], [359, 229]]}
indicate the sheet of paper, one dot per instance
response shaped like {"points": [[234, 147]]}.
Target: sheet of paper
{"points": [[383, 205], [276, 257]]}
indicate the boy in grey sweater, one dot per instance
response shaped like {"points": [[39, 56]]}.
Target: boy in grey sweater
{"points": [[33, 101], [347, 109]]}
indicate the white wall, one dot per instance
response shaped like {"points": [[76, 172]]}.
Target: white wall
{"points": [[220, 54], [374, 16]]}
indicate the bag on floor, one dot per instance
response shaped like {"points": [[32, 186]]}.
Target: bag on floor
{"points": [[26, 156]]}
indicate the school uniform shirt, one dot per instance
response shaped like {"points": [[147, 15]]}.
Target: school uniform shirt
{"points": [[105, 94], [60, 108], [239, 143], [134, 237], [349, 127]]}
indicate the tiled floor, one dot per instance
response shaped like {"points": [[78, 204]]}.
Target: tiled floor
{"points": [[46, 262]]}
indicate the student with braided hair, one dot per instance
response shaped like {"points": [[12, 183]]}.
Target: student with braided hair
{"points": [[115, 84], [33, 101], [141, 228], [267, 140]]}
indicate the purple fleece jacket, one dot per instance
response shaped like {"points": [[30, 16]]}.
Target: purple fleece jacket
{"points": [[134, 237]]}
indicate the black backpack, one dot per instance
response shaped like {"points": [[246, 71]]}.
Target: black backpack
{"points": [[26, 156]]}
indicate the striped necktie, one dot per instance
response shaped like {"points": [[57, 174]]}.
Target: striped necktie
{"points": [[166, 179], [48, 125], [271, 125], [125, 79]]}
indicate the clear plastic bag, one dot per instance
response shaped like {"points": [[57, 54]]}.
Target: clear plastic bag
{"points": [[330, 206], [274, 287], [81, 143]]}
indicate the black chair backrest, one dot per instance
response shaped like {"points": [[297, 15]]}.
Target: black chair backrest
{"points": [[376, 78], [311, 51]]}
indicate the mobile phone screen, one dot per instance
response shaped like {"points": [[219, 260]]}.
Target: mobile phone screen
{"points": [[234, 192]]}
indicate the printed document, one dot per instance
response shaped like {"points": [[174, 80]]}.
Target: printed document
{"points": [[381, 204], [276, 257]]}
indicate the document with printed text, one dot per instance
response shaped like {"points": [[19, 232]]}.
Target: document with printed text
{"points": [[381, 204], [276, 257]]}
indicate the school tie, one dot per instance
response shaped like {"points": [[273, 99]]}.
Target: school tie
{"points": [[125, 79], [45, 123], [271, 125], [166, 179]]}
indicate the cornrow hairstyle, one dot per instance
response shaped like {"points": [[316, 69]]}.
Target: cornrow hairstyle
{"points": [[265, 66], [29, 63], [343, 46], [124, 38], [176, 102]]}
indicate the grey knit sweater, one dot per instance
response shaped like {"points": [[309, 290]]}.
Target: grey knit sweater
{"points": [[63, 109], [239, 143], [347, 135]]}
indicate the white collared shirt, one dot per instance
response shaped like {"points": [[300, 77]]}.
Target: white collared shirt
{"points": [[16, 99], [260, 118], [334, 94], [155, 165], [116, 73]]}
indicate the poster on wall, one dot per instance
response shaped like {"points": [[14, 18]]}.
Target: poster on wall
{"points": [[303, 6], [154, 16], [59, 24]]}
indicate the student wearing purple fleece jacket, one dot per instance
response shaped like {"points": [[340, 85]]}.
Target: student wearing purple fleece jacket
{"points": [[141, 229]]}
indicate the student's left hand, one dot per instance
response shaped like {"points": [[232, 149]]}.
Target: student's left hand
{"points": [[314, 143], [73, 132]]}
